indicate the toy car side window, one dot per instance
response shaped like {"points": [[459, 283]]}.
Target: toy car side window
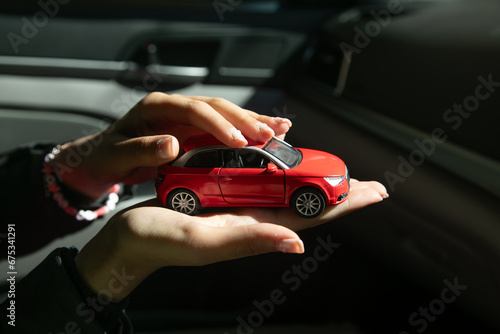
{"points": [[252, 159], [243, 158], [205, 159], [232, 159]]}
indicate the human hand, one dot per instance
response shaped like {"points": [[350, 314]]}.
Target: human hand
{"points": [[148, 136], [146, 237]]}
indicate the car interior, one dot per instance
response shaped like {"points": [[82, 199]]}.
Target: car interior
{"points": [[406, 92]]}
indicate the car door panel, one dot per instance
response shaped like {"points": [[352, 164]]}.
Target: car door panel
{"points": [[203, 181], [252, 185]]}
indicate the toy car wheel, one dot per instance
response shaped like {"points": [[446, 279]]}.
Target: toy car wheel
{"points": [[308, 202], [184, 201]]}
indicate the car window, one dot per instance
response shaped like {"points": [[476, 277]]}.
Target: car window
{"points": [[232, 159], [244, 158], [206, 159], [252, 159]]}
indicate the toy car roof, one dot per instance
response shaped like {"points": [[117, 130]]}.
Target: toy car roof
{"points": [[209, 140]]}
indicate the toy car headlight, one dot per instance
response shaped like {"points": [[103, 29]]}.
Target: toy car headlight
{"points": [[334, 180]]}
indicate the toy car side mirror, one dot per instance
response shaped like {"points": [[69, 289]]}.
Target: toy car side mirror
{"points": [[272, 168]]}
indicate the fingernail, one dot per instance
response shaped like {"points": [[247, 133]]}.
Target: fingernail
{"points": [[291, 246], [283, 120], [237, 135], [386, 195], [166, 148], [264, 127]]}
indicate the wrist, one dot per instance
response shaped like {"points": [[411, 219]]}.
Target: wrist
{"points": [[64, 195], [71, 164], [106, 267]]}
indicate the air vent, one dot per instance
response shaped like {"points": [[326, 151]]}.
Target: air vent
{"points": [[173, 62]]}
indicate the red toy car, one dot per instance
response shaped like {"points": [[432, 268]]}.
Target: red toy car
{"points": [[274, 174]]}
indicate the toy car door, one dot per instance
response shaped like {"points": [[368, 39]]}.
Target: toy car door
{"points": [[245, 178]]}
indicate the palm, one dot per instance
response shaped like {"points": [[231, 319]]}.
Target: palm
{"points": [[172, 238]]}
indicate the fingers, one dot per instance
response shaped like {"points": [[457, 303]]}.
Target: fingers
{"points": [[226, 121], [164, 113], [279, 125], [374, 187], [361, 194], [253, 127]]}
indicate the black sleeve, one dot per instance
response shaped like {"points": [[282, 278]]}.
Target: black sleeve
{"points": [[38, 219], [48, 300], [52, 298]]}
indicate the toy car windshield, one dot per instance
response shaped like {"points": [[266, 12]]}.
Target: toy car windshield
{"points": [[289, 155]]}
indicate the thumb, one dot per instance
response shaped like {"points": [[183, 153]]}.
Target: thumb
{"points": [[247, 240], [150, 151]]}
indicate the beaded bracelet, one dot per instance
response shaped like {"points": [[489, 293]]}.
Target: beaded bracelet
{"points": [[53, 185]]}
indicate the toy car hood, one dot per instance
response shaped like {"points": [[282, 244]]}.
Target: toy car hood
{"points": [[318, 164]]}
